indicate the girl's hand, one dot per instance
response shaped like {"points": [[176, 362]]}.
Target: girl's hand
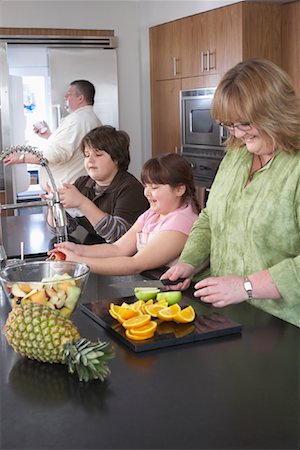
{"points": [[221, 291], [56, 255], [68, 247], [70, 196], [180, 270]]}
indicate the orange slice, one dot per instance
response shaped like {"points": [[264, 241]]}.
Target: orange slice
{"points": [[153, 309], [163, 302], [127, 313], [149, 302], [185, 315], [169, 313], [114, 310], [145, 330], [138, 305], [136, 322], [135, 337]]}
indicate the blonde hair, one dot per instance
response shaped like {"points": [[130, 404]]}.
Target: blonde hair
{"points": [[259, 92]]}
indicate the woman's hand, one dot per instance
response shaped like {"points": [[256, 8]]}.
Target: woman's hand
{"points": [[179, 270], [221, 291], [70, 196]]}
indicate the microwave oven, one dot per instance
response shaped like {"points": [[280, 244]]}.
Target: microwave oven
{"points": [[197, 125]]}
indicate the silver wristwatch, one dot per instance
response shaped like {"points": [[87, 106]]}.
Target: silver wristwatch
{"points": [[248, 288], [22, 157]]}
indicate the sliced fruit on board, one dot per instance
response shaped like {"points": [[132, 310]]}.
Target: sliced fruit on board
{"points": [[171, 297], [186, 315], [137, 321], [169, 313], [146, 293], [154, 309]]}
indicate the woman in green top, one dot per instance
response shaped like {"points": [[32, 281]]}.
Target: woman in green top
{"points": [[250, 229]]}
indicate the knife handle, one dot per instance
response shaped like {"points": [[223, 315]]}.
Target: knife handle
{"points": [[166, 281]]}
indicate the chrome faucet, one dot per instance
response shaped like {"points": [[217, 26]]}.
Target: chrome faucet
{"points": [[58, 211]]}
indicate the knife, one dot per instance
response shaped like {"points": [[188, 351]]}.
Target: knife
{"points": [[147, 283]]}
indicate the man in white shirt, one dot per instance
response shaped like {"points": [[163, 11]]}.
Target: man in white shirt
{"points": [[62, 150]]}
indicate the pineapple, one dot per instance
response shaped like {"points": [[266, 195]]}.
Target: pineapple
{"points": [[41, 333]]}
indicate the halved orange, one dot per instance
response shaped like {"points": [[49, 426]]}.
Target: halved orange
{"points": [[134, 337], [169, 313], [136, 322], [153, 309], [185, 315], [145, 330]]}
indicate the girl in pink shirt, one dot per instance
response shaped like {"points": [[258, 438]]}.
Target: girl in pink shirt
{"points": [[158, 236]]}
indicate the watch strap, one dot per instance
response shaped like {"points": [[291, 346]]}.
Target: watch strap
{"points": [[248, 288]]}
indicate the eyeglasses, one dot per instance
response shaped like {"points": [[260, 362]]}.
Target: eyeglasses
{"points": [[245, 126]]}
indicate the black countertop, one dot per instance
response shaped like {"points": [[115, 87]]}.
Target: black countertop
{"points": [[232, 392]]}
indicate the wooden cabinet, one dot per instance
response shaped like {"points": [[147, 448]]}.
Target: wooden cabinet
{"points": [[165, 116], [291, 42], [197, 50]]}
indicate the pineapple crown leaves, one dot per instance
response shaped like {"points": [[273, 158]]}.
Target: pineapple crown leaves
{"points": [[88, 359]]}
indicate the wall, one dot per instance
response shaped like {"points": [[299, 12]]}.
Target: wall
{"points": [[130, 20]]}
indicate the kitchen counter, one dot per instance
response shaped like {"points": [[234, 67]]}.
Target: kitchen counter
{"points": [[233, 392]]}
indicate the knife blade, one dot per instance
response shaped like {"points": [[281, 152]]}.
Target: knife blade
{"points": [[147, 283]]}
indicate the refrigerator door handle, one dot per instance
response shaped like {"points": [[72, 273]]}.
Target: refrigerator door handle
{"points": [[56, 115]]}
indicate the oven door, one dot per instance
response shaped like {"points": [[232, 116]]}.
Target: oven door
{"points": [[204, 163]]}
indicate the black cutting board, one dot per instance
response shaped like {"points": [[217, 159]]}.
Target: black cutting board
{"points": [[205, 326]]}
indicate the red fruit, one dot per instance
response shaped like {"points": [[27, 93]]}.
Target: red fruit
{"points": [[56, 255]]}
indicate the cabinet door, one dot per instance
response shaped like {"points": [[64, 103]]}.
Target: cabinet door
{"points": [[190, 31], [166, 116], [164, 51], [224, 38], [291, 42]]}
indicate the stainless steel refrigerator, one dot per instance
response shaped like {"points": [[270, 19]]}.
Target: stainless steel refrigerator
{"points": [[53, 67]]}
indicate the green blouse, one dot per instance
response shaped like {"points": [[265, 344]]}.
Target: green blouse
{"points": [[246, 229]]}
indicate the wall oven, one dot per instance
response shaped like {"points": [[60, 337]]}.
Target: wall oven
{"points": [[202, 139]]}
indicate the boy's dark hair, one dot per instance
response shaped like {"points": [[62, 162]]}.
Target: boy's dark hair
{"points": [[112, 141], [85, 88]]}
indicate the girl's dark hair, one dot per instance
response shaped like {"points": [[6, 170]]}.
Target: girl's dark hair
{"points": [[172, 169], [108, 139]]}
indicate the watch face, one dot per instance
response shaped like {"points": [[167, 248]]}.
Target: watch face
{"points": [[247, 286]]}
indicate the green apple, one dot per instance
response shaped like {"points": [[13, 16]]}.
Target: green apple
{"points": [[146, 293], [171, 297]]}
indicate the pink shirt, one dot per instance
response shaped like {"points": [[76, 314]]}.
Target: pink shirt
{"points": [[182, 219]]}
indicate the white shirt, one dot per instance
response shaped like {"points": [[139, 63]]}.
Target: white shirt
{"points": [[62, 149]]}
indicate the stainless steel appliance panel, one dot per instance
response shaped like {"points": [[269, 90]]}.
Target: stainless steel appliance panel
{"points": [[197, 125], [99, 66]]}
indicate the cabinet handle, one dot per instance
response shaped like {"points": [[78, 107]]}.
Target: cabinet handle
{"points": [[202, 61], [210, 57], [207, 60], [205, 66], [175, 66]]}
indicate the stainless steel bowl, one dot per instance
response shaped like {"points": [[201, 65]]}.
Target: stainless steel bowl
{"points": [[56, 284]]}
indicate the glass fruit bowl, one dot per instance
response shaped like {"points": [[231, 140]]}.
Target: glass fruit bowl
{"points": [[56, 284]]}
